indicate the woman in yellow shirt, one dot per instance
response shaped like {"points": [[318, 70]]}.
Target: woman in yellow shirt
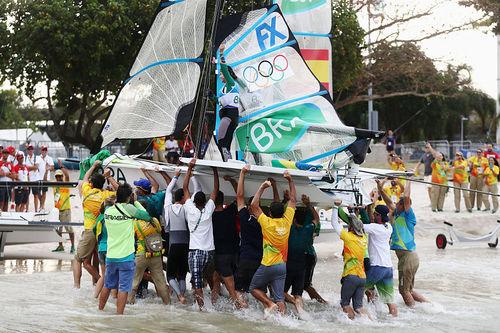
{"points": [[461, 180], [491, 184], [440, 169]]}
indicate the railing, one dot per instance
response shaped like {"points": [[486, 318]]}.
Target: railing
{"points": [[413, 151]]}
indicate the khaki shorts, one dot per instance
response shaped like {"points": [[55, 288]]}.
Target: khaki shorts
{"points": [[407, 267], [86, 246], [65, 217]]}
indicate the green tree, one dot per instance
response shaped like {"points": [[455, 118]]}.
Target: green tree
{"points": [[10, 102], [80, 51]]}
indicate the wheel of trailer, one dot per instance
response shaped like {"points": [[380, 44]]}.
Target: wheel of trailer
{"points": [[441, 241], [493, 245]]}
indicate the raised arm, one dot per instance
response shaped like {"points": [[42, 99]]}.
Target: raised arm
{"points": [[400, 184], [107, 174], [293, 192], [170, 188], [407, 194], [89, 173], [276, 194], [335, 217], [233, 182], [189, 173], [213, 195], [384, 195], [154, 184], [64, 170], [307, 202], [165, 176], [240, 191], [255, 205]]}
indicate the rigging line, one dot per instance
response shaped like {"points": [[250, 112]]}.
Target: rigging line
{"points": [[205, 83], [428, 183], [251, 29], [411, 118]]}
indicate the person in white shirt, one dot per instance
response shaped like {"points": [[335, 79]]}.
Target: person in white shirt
{"points": [[380, 273], [6, 175], [30, 162], [45, 166], [201, 241]]}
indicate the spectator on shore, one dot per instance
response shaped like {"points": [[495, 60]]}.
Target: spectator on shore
{"points": [[461, 180], [489, 152], [426, 160], [21, 192], [45, 166], [390, 141], [32, 165], [395, 162], [6, 175], [491, 184], [159, 149], [440, 170], [477, 164]]}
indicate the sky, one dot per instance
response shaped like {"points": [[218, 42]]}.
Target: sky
{"points": [[476, 48]]}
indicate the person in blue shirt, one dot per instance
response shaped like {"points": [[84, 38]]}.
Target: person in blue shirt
{"points": [[403, 222]]}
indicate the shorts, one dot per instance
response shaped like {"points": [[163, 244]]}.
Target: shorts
{"points": [[65, 217], [407, 269], [4, 194], [86, 246], [226, 264], [35, 190], [309, 271], [244, 274], [295, 278], [120, 275], [274, 276], [381, 278], [177, 261], [353, 288], [198, 260], [102, 257], [21, 196], [428, 179]]}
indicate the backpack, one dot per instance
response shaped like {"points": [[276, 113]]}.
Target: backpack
{"points": [[153, 242]]}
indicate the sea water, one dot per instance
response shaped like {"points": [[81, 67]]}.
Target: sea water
{"points": [[462, 282]]}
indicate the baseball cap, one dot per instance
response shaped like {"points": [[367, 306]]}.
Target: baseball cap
{"points": [[43, 147], [20, 153], [144, 184], [383, 211], [30, 147], [356, 225], [11, 149], [59, 173]]}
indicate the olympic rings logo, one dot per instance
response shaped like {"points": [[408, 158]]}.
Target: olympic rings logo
{"points": [[266, 70]]}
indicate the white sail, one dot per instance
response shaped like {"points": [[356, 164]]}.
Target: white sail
{"points": [[158, 97]]}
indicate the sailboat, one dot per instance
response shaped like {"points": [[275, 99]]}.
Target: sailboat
{"points": [[287, 119]]}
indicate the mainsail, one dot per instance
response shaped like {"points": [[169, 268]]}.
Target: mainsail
{"points": [[311, 23], [159, 95], [287, 112]]}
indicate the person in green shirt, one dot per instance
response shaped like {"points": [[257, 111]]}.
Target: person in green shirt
{"points": [[120, 257]]}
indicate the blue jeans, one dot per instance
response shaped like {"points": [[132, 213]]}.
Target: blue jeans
{"points": [[120, 275], [275, 276]]}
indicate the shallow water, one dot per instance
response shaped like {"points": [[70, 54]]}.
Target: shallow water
{"points": [[462, 282]]}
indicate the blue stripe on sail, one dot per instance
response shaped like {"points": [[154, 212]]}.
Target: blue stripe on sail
{"points": [[297, 138], [250, 116], [253, 27], [164, 62], [237, 63], [326, 154], [170, 3], [312, 34]]}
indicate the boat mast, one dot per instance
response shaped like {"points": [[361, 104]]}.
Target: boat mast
{"points": [[207, 70]]}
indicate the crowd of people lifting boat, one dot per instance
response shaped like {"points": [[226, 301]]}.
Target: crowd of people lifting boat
{"points": [[247, 246]]}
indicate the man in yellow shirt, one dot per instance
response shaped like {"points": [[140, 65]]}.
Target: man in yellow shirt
{"points": [[477, 164], [461, 180], [440, 170], [491, 183], [159, 149], [93, 196], [63, 204], [394, 190], [275, 232], [395, 162]]}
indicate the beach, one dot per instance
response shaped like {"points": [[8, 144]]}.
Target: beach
{"points": [[461, 282]]}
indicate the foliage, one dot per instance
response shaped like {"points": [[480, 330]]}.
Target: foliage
{"points": [[81, 51], [491, 7]]}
